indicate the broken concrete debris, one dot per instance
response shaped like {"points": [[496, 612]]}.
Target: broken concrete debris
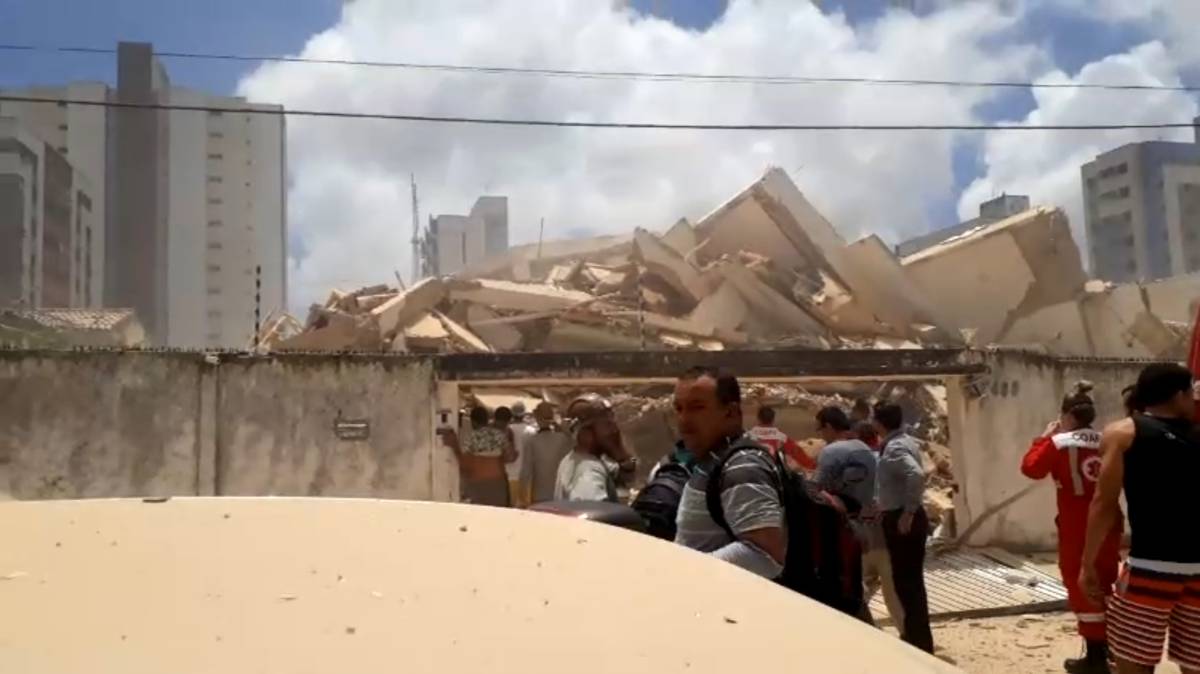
{"points": [[765, 270]]}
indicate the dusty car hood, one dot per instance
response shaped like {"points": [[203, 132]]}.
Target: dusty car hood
{"points": [[332, 585]]}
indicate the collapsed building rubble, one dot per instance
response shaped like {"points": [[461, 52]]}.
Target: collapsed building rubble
{"points": [[765, 270]]}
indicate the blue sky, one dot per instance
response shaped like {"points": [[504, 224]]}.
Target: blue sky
{"points": [[283, 26], [232, 26]]}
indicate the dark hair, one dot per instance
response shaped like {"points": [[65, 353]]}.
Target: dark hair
{"points": [[479, 415], [766, 415], [833, 417], [1129, 399], [861, 405], [728, 389], [1160, 382], [889, 415], [1079, 404], [503, 415], [866, 431]]}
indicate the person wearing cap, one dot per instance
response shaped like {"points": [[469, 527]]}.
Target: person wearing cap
{"points": [[599, 461]]}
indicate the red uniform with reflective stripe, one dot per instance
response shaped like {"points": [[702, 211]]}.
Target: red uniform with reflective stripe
{"points": [[774, 439], [1073, 460]]}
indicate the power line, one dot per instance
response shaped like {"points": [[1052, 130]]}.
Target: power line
{"points": [[621, 74], [490, 121]]}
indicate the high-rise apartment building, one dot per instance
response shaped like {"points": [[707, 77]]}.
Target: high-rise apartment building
{"points": [[48, 224], [190, 205], [78, 134], [226, 215], [1142, 210]]}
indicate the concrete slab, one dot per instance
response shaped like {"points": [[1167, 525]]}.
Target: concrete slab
{"points": [[976, 285], [768, 304], [1002, 272], [409, 306], [681, 238], [512, 296], [462, 335], [661, 260], [883, 289], [723, 309], [500, 336]]}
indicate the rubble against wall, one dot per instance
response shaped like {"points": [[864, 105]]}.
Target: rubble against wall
{"points": [[763, 270]]}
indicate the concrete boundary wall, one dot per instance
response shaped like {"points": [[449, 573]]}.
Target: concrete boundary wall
{"points": [[127, 424], [990, 433]]}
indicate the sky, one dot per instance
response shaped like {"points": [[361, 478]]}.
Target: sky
{"points": [[348, 198]]}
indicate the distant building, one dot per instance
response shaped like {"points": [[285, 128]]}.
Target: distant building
{"points": [[226, 219], [48, 225], [456, 242], [1142, 210], [188, 203], [995, 210], [78, 134]]}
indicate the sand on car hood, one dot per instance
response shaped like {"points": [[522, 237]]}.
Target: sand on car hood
{"points": [[334, 585]]}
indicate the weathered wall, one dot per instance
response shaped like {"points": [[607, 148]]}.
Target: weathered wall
{"points": [[98, 425], [990, 434], [111, 424], [276, 427]]}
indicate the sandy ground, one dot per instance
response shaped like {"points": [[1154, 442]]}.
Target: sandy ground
{"points": [[1030, 644]]}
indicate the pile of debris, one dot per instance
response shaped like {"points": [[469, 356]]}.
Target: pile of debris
{"points": [[764, 270]]}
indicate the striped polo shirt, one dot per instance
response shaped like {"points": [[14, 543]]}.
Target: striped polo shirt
{"points": [[749, 493]]}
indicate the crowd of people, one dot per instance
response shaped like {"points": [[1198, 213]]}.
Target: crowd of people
{"points": [[869, 462], [722, 490]]}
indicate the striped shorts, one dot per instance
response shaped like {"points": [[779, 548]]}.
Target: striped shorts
{"points": [[1151, 600]]}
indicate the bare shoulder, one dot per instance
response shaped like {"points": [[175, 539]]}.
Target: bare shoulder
{"points": [[1120, 430]]}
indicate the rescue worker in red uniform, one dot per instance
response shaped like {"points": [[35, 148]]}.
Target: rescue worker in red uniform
{"points": [[1069, 451]]}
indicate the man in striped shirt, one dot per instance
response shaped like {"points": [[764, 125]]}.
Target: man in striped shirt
{"points": [[708, 412]]}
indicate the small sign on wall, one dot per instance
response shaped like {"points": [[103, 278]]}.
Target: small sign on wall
{"points": [[351, 429]]}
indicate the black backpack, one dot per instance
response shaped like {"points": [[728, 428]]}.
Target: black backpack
{"points": [[824, 557], [658, 502]]}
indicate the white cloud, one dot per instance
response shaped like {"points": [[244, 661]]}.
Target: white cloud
{"points": [[1047, 165], [349, 198], [1172, 21]]}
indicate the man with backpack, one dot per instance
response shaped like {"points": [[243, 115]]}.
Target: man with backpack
{"points": [[708, 411], [744, 505]]}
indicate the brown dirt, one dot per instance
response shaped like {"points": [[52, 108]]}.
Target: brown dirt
{"points": [[1027, 644]]}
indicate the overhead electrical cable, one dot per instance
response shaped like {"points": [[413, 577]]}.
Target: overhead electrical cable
{"points": [[667, 76], [582, 124]]}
